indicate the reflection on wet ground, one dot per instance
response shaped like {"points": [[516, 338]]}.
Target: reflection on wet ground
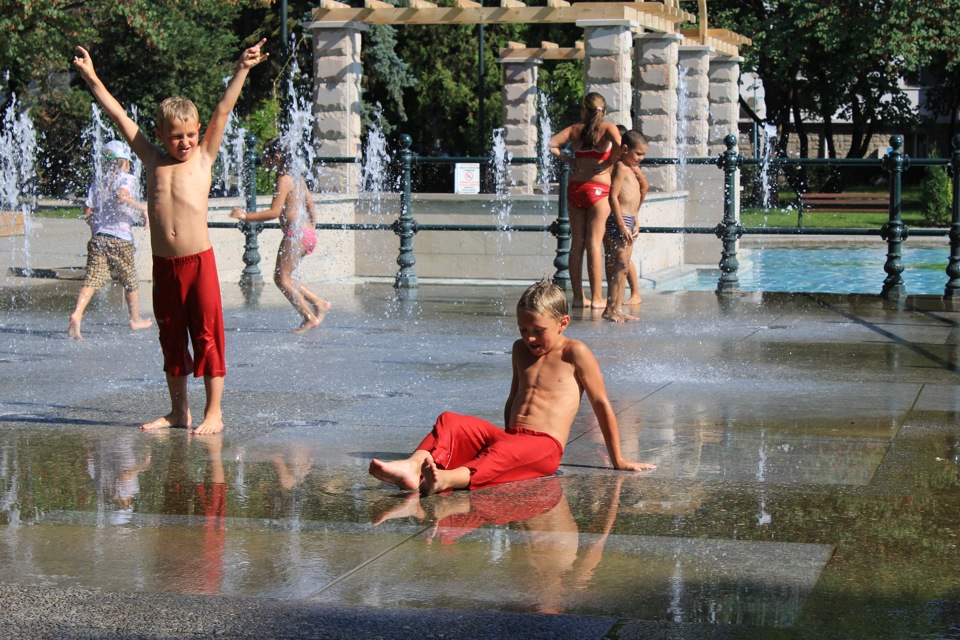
{"points": [[807, 481]]}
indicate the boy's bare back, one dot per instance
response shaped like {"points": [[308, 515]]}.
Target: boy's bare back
{"points": [[548, 392]]}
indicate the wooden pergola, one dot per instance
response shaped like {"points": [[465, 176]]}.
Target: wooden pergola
{"points": [[665, 17]]}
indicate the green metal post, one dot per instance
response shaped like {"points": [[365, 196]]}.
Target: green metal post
{"points": [[251, 275], [405, 226], [952, 290], [730, 230], [561, 229], [894, 231]]}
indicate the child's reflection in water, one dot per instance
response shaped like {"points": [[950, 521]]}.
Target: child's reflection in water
{"points": [[551, 544]]}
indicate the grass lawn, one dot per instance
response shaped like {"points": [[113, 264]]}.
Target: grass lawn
{"points": [[787, 215]]}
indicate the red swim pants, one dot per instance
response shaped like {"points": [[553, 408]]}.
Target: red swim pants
{"points": [[584, 195], [186, 302], [494, 456]]}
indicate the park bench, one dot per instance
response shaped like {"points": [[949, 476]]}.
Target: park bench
{"points": [[836, 202]]}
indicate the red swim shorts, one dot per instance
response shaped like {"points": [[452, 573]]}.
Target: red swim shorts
{"points": [[584, 195], [492, 454], [186, 303]]}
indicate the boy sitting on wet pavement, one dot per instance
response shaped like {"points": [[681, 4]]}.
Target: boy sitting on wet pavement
{"points": [[550, 374]]}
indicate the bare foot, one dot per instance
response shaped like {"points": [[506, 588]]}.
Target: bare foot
{"points": [[402, 473], [321, 308], [633, 299], [140, 323], [598, 304], [170, 420], [581, 303], [612, 316], [431, 478], [310, 322], [74, 329], [628, 317], [211, 424], [407, 506]]}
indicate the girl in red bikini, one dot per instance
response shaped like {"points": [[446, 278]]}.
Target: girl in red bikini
{"points": [[596, 149], [293, 205]]}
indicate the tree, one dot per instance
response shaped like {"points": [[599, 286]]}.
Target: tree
{"points": [[828, 60], [144, 49]]}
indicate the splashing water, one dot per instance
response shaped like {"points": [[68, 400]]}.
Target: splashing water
{"points": [[500, 161], [376, 159], [684, 107], [230, 177], [768, 151], [545, 171], [297, 134], [18, 156]]}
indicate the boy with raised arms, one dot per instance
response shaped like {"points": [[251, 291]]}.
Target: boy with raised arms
{"points": [[186, 288]]}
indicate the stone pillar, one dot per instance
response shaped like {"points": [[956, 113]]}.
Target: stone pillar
{"points": [[656, 99], [336, 101], [693, 112], [607, 67], [520, 119], [724, 106]]}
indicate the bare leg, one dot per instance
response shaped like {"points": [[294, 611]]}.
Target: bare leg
{"points": [[212, 412], [436, 479], [596, 227], [634, 285], [578, 238], [86, 293], [133, 305], [618, 257], [402, 473], [287, 258], [179, 415]]}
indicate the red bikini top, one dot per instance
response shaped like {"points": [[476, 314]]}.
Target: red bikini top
{"points": [[593, 154]]}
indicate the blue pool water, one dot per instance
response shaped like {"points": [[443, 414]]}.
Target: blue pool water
{"points": [[826, 270]]}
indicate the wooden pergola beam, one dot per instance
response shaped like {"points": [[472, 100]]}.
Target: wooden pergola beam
{"points": [[648, 15]]}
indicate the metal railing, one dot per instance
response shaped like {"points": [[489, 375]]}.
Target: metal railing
{"points": [[729, 230]]}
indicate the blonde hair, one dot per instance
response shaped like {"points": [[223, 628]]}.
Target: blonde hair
{"points": [[544, 298], [176, 108], [594, 107]]}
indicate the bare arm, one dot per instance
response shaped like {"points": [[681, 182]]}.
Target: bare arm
{"points": [[127, 127], [284, 184], [616, 185], [514, 385], [588, 373], [611, 133], [644, 187], [218, 121], [559, 139]]}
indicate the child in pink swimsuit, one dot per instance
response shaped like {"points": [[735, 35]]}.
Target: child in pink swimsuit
{"points": [[293, 205]]}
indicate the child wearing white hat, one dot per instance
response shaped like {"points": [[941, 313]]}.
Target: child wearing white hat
{"points": [[111, 209]]}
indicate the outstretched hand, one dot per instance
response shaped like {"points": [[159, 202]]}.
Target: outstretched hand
{"points": [[252, 56], [83, 62]]}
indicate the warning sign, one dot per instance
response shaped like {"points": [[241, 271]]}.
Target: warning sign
{"points": [[467, 178]]}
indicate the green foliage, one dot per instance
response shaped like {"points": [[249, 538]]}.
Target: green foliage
{"points": [[386, 76], [937, 194], [823, 59]]}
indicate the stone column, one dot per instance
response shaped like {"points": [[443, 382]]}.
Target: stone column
{"points": [[520, 119], [606, 66], [656, 99], [724, 106], [336, 102]]}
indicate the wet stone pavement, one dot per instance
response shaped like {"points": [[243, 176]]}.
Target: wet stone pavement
{"points": [[807, 480]]}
